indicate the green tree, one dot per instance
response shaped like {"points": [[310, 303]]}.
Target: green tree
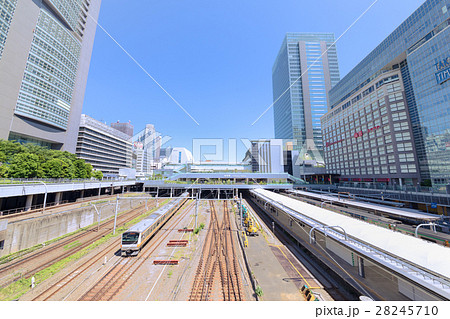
{"points": [[88, 168], [4, 171], [97, 174], [80, 168], [8, 149], [68, 168], [24, 165], [53, 168]]}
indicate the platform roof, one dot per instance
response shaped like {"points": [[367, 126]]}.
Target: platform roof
{"points": [[399, 212], [425, 254], [231, 175]]}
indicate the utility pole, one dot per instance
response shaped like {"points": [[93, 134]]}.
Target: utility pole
{"points": [[196, 209], [240, 209], [157, 194], [115, 215]]}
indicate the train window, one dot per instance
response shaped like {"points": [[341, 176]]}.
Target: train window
{"points": [[2, 244], [130, 238]]}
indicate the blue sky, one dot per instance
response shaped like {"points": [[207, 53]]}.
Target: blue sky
{"points": [[215, 58]]}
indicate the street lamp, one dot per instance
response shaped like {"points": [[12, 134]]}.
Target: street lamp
{"points": [[433, 227], [45, 196]]}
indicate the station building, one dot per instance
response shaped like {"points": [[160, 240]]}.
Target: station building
{"points": [[389, 118]]}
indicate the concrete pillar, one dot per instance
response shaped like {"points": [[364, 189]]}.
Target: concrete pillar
{"points": [[361, 270], [29, 202], [58, 197], [82, 193], [123, 189]]}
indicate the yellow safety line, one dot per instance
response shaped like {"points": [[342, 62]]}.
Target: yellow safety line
{"points": [[297, 269]]}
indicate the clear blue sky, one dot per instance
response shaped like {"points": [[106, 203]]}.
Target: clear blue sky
{"points": [[215, 58]]}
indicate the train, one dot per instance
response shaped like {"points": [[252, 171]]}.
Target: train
{"points": [[442, 237], [136, 236]]}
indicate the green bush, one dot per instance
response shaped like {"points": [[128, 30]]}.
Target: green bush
{"points": [[97, 174], [259, 291]]}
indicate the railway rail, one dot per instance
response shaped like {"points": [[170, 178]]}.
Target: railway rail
{"points": [[22, 212], [218, 264], [117, 276], [44, 257]]}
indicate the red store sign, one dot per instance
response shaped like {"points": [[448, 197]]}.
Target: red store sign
{"points": [[361, 133]]}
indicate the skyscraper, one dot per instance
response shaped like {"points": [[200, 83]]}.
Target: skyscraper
{"points": [[45, 51], [297, 112], [419, 52], [146, 149]]}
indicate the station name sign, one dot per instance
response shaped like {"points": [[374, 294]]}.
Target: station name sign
{"points": [[443, 70]]}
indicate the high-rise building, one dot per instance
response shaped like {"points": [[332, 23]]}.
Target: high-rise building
{"points": [[102, 146], [126, 128], [304, 71], [45, 51], [411, 68], [146, 149]]}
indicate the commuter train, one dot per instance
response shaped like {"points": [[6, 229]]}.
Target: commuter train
{"points": [[136, 236]]}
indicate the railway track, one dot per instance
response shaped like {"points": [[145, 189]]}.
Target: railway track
{"points": [[71, 277], [218, 264], [54, 207], [112, 282], [41, 259]]}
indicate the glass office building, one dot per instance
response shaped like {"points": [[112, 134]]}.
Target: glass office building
{"points": [[420, 49], [304, 71], [45, 49]]}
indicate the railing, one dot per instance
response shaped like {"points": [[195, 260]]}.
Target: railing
{"points": [[15, 181], [404, 188]]}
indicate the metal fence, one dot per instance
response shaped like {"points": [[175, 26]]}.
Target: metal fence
{"points": [[403, 188]]}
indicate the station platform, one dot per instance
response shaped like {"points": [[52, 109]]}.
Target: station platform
{"points": [[277, 271]]}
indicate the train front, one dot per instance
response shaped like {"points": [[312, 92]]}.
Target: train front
{"points": [[130, 241]]}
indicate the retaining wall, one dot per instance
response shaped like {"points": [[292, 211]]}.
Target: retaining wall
{"points": [[29, 232]]}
